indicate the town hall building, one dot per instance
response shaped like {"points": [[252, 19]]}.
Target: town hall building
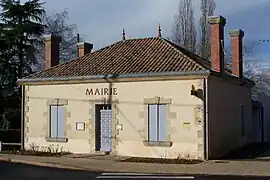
{"points": [[144, 97]]}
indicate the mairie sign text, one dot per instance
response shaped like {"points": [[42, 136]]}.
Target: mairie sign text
{"points": [[101, 91]]}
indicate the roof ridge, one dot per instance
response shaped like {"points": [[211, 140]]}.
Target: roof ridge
{"points": [[184, 54], [121, 41]]}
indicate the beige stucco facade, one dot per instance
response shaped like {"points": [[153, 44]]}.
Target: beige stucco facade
{"points": [[185, 116], [129, 107]]}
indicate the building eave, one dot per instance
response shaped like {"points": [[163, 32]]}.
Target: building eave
{"points": [[112, 77], [242, 81]]}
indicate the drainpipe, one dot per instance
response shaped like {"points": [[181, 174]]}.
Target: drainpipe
{"points": [[204, 121], [262, 123], [22, 117]]}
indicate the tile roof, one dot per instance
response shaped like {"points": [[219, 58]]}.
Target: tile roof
{"points": [[128, 57]]}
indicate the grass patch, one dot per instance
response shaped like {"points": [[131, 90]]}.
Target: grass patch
{"points": [[161, 160], [34, 150], [35, 153]]}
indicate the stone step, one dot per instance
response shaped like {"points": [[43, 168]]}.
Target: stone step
{"points": [[101, 153], [97, 153]]}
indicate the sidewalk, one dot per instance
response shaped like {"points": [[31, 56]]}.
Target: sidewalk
{"points": [[259, 168]]}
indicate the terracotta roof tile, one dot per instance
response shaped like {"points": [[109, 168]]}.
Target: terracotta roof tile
{"points": [[130, 56]]}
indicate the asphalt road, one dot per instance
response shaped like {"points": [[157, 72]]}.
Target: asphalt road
{"points": [[26, 172]]}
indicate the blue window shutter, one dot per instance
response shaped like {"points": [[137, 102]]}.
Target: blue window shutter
{"points": [[162, 126], [53, 121], [152, 122], [61, 122]]}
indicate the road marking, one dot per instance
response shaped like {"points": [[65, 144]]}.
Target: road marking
{"points": [[145, 177], [140, 176], [127, 174]]}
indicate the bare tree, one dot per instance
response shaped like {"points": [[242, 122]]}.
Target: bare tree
{"points": [[207, 9], [57, 23], [184, 28], [253, 68], [250, 51]]}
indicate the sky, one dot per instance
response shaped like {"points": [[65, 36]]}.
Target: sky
{"points": [[101, 21]]}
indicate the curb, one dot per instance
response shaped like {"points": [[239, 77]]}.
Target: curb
{"points": [[55, 165], [71, 167], [49, 165]]}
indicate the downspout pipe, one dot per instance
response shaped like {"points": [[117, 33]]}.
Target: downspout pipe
{"points": [[262, 123], [205, 144], [22, 116]]}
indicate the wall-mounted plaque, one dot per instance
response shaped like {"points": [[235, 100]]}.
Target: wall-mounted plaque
{"points": [[80, 126]]}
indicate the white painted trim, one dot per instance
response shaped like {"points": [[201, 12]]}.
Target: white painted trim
{"points": [[141, 176]]}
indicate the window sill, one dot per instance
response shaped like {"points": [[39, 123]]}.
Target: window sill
{"points": [[51, 139], [158, 143]]}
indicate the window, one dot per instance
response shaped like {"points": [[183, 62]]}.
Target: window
{"points": [[57, 121], [243, 122], [157, 122]]}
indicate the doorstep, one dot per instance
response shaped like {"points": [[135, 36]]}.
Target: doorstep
{"points": [[98, 155], [86, 155]]}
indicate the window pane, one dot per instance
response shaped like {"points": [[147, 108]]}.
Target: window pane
{"points": [[162, 127], [152, 122], [61, 121], [53, 121]]}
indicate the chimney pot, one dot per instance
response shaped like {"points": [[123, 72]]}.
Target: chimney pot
{"points": [[237, 52], [237, 33], [217, 20], [52, 47], [84, 48], [217, 24]]}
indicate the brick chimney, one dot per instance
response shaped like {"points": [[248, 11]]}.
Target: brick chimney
{"points": [[52, 45], [217, 24], [84, 48], [237, 52]]}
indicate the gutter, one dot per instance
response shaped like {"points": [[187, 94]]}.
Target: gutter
{"points": [[115, 76]]}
